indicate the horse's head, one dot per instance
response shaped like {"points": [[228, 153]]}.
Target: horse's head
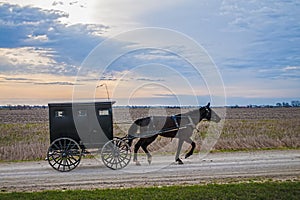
{"points": [[207, 113]]}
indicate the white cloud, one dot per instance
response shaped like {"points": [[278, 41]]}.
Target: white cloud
{"points": [[288, 68], [39, 42], [32, 60], [28, 56], [37, 38]]}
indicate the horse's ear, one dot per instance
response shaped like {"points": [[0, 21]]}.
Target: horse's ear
{"points": [[208, 105]]}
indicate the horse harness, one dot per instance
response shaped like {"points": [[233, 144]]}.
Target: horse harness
{"points": [[177, 126], [151, 129], [192, 124]]}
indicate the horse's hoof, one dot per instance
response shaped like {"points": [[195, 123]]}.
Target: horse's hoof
{"points": [[149, 160], [187, 155], [137, 163], [179, 161]]}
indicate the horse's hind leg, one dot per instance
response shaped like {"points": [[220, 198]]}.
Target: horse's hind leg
{"points": [[177, 159], [189, 140]]}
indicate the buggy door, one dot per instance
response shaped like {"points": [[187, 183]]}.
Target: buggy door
{"points": [[93, 125]]}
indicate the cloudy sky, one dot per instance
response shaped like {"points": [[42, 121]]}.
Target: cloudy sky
{"points": [[254, 46]]}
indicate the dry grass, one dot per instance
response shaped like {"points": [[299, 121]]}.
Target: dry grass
{"points": [[24, 134], [260, 128], [23, 141], [259, 134]]}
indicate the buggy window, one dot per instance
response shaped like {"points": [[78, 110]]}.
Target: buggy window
{"points": [[103, 112], [82, 113], [59, 113]]}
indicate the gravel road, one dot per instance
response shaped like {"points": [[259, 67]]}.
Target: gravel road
{"points": [[215, 167]]}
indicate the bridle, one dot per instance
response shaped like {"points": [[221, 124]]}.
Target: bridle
{"points": [[192, 122], [207, 112]]}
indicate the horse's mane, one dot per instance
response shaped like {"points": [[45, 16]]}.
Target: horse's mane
{"points": [[190, 113]]}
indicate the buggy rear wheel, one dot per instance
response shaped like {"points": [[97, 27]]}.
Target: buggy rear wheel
{"points": [[64, 154], [116, 154]]}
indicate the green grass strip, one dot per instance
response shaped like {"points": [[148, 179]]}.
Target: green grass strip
{"points": [[267, 190]]}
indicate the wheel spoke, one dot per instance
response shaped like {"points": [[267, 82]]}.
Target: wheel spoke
{"points": [[73, 146], [60, 145], [56, 161], [60, 164], [71, 162], [68, 164], [56, 147]]}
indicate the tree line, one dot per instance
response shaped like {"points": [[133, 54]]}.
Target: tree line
{"points": [[286, 104], [295, 103]]}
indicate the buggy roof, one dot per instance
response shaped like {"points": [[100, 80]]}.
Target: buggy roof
{"points": [[85, 103]]}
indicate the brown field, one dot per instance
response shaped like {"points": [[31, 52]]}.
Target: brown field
{"points": [[260, 128], [24, 134]]}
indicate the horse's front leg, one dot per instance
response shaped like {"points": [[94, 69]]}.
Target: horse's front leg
{"points": [[189, 140], [136, 148], [177, 159]]}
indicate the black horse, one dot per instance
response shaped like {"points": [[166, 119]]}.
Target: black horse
{"points": [[177, 126]]}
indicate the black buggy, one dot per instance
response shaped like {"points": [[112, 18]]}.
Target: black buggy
{"points": [[77, 129]]}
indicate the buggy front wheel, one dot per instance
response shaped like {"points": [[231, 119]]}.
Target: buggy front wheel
{"points": [[64, 154], [116, 154]]}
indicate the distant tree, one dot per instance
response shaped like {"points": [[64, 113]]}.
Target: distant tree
{"points": [[285, 104], [295, 103], [278, 104]]}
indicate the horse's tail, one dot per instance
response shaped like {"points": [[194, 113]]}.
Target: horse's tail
{"points": [[132, 131]]}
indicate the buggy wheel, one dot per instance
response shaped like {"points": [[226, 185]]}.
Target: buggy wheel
{"points": [[64, 154], [116, 154]]}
